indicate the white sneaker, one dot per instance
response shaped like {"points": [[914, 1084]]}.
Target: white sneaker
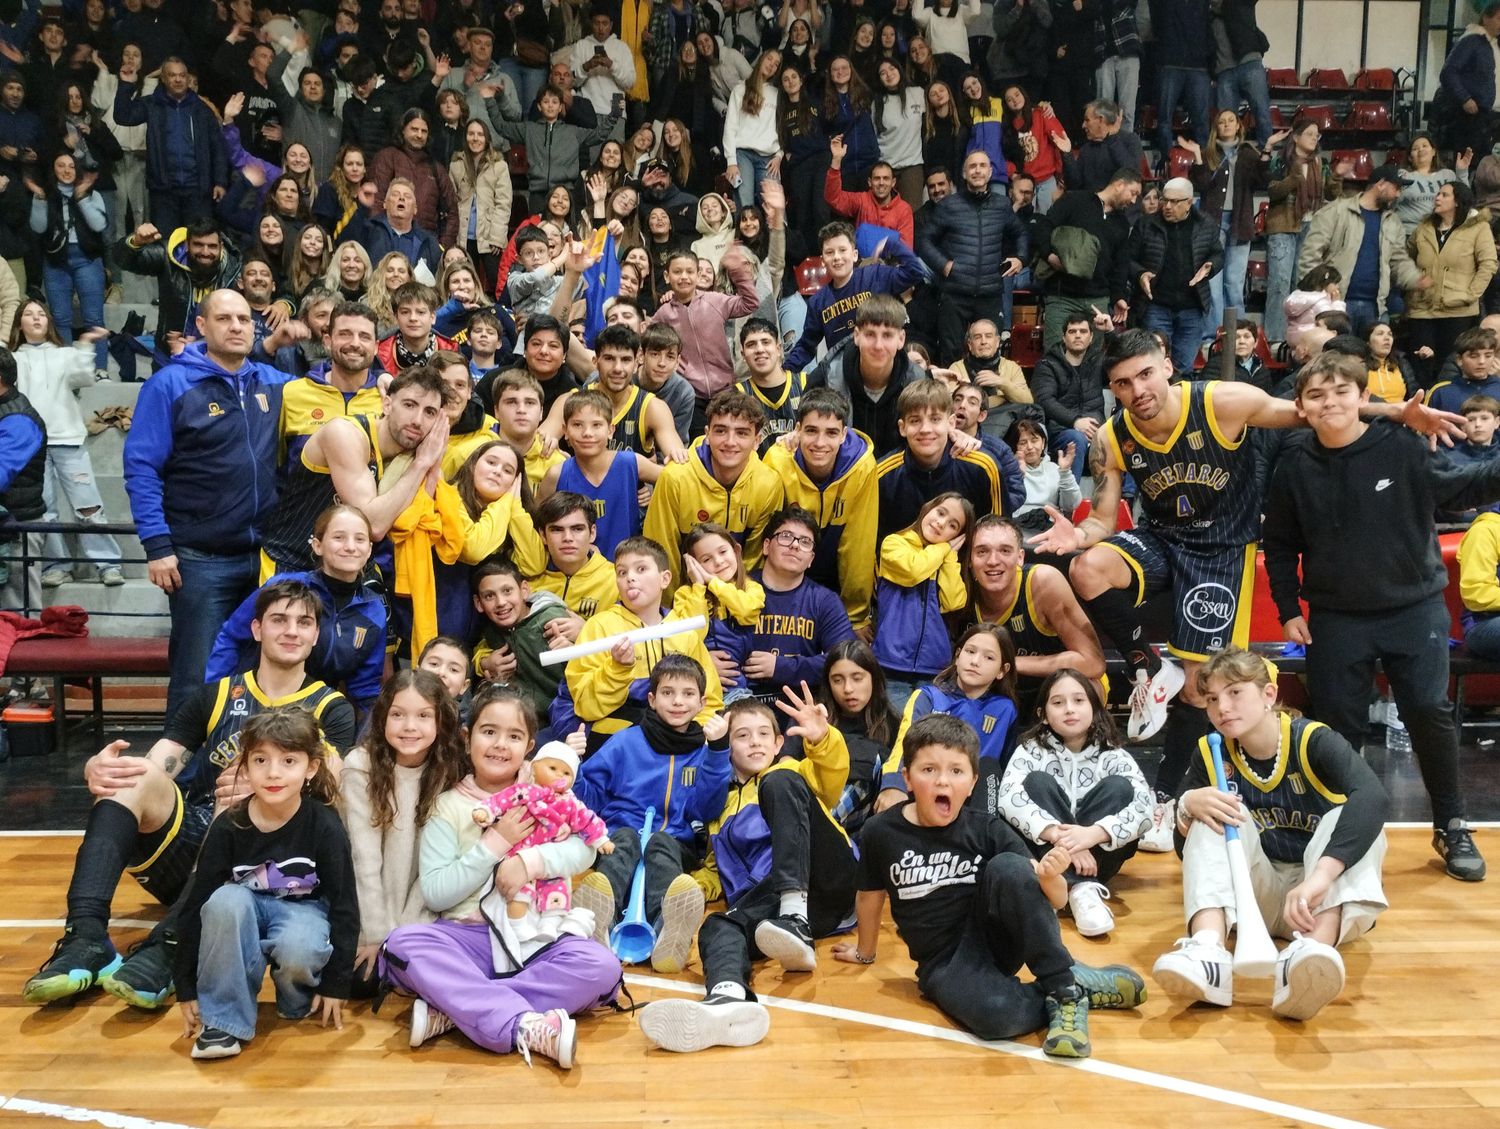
{"points": [[1198, 971], [427, 1022], [1090, 914], [1148, 701], [551, 1033], [1309, 974], [696, 1025], [1158, 837]]}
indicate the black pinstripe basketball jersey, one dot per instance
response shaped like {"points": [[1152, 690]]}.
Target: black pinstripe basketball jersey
{"points": [[1285, 797], [239, 698], [1198, 488], [308, 491], [781, 409]]}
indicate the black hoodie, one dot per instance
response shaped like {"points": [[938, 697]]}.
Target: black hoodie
{"points": [[1360, 519]]}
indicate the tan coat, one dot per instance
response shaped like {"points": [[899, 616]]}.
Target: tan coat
{"points": [[1460, 271], [494, 189]]}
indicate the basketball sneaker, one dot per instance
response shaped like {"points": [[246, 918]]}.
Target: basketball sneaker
{"points": [[144, 980], [75, 966], [1199, 969], [1149, 699], [788, 941]]}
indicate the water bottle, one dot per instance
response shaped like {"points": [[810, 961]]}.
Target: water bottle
{"points": [[1397, 739]]}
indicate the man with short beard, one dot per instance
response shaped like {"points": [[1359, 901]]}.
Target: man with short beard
{"points": [[342, 382], [258, 285], [190, 261]]}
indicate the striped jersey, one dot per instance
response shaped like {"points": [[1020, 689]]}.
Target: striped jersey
{"points": [[307, 492]]}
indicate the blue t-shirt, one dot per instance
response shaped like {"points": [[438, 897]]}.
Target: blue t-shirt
{"points": [[1364, 283]]}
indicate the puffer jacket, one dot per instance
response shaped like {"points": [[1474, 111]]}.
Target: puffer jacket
{"points": [[1460, 270], [1148, 250], [166, 260], [978, 232]]}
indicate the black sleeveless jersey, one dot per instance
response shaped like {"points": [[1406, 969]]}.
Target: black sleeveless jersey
{"points": [[781, 409], [1198, 488], [1023, 623], [307, 492], [237, 699], [630, 425]]}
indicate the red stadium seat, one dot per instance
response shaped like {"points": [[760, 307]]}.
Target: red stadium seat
{"points": [[1257, 271], [812, 276], [1283, 78], [1148, 174], [1363, 162], [1375, 78], [1328, 78], [1145, 120], [515, 157], [1370, 117], [1260, 217], [1323, 115], [1278, 118], [1124, 522], [1179, 161]]}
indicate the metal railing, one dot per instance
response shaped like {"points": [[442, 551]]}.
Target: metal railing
{"points": [[19, 552]]}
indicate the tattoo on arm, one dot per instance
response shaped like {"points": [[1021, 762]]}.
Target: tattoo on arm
{"points": [[1098, 462], [169, 764]]}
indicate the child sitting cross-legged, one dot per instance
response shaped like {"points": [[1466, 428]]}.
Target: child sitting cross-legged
{"points": [[785, 867], [973, 906], [678, 766]]}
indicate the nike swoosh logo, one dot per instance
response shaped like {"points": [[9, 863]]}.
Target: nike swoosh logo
{"points": [[1382, 484]]}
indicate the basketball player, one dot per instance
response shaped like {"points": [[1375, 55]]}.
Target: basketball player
{"points": [[1184, 446]]}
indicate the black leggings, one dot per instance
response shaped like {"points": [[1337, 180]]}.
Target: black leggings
{"points": [[1110, 795]]}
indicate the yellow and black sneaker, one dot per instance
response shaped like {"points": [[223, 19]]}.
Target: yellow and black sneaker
{"points": [[1067, 1023]]}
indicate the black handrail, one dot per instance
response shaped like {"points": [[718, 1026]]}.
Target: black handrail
{"points": [[17, 533]]}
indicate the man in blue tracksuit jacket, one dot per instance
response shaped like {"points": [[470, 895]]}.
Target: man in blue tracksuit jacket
{"points": [[187, 165], [200, 470]]}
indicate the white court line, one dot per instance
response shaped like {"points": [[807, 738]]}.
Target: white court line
{"points": [[78, 1114], [1020, 1050]]}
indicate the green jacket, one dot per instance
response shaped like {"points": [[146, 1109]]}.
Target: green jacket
{"points": [[527, 640]]}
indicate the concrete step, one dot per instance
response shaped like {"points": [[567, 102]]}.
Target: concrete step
{"points": [[136, 607]]}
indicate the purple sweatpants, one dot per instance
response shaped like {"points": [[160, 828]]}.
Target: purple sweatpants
{"points": [[450, 965]]}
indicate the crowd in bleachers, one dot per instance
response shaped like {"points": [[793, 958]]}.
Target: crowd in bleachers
{"points": [[791, 338]]}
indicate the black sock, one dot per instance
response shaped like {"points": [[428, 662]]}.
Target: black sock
{"points": [[1179, 737], [1113, 612], [111, 832]]}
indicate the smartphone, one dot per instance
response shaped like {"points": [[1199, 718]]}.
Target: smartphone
{"points": [[599, 50]]}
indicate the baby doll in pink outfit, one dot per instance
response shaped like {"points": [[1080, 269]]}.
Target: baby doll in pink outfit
{"points": [[544, 789]]}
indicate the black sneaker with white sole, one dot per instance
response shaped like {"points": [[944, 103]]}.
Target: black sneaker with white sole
{"points": [[695, 1025], [213, 1043], [788, 941]]}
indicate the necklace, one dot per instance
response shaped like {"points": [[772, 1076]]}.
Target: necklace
{"points": [[1265, 781]]}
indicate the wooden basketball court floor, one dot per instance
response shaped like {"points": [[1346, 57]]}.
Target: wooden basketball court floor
{"points": [[1411, 1043]]}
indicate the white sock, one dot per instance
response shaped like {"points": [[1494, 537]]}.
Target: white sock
{"points": [[794, 904], [1209, 938], [728, 988]]}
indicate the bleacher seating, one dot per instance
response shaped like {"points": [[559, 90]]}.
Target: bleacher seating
{"points": [[1363, 164], [1330, 80], [92, 658]]}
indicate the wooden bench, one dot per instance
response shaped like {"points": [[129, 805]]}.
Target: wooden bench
{"points": [[88, 657]]}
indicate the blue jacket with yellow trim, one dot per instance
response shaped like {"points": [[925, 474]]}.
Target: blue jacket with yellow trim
{"points": [[201, 455], [739, 855], [992, 716], [905, 486], [627, 776], [918, 585], [350, 650]]}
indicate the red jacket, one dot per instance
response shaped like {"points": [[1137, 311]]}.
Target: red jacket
{"points": [[385, 350], [862, 208]]}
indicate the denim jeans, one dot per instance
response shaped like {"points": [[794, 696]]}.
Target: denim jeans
{"points": [[1228, 286], [1183, 328], [1019, 281], [1483, 639], [1281, 263], [753, 167], [528, 81], [1060, 440], [791, 315], [1118, 78], [70, 471], [244, 933], [1247, 83], [1362, 314], [1046, 192], [213, 585], [85, 277], [1188, 85]]}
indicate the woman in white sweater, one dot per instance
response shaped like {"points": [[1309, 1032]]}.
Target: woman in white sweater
{"points": [[750, 142], [50, 375], [412, 753], [945, 24], [1047, 483]]}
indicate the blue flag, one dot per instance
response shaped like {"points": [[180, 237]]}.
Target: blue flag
{"points": [[601, 282]]}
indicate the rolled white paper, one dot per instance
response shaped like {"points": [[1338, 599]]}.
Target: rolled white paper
{"points": [[640, 635]]}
